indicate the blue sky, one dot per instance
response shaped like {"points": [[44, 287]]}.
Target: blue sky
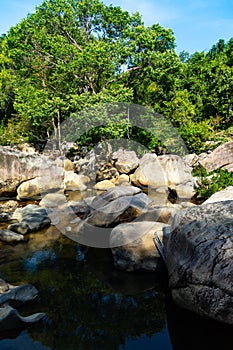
{"points": [[197, 24]]}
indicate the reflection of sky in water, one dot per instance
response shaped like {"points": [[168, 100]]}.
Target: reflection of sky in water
{"points": [[37, 258], [22, 342], [159, 341]]}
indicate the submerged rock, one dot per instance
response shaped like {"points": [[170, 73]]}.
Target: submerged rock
{"points": [[18, 295], [19, 227]]}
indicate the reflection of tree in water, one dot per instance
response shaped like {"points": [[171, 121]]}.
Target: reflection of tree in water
{"points": [[85, 312]]}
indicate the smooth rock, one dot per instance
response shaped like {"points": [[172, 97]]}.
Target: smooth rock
{"points": [[159, 214], [137, 250], [104, 185], [200, 260], [18, 295], [53, 200], [123, 179], [37, 186], [122, 209], [11, 319], [68, 165], [10, 237], [112, 194]]}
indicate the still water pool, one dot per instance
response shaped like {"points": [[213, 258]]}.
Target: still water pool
{"points": [[90, 305]]}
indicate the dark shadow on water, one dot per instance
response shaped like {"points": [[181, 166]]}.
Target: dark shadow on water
{"points": [[190, 331]]}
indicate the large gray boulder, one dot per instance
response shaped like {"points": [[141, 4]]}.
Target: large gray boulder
{"points": [[200, 260], [136, 250], [122, 209]]}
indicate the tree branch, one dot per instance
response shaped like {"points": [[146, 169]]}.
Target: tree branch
{"points": [[122, 75], [73, 41]]}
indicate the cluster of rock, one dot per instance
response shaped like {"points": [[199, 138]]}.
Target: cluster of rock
{"points": [[132, 211]]}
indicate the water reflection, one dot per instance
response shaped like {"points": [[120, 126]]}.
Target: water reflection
{"points": [[88, 304]]}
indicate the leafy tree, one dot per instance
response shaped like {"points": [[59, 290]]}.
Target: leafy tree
{"points": [[73, 54]]}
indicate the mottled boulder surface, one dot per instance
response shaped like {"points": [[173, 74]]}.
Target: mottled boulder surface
{"points": [[221, 156], [200, 260]]}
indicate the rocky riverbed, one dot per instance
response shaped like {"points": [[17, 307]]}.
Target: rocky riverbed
{"points": [[126, 203]]}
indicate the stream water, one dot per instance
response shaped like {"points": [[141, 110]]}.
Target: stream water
{"points": [[91, 305]]}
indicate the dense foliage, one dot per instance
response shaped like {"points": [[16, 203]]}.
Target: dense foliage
{"points": [[73, 54]]}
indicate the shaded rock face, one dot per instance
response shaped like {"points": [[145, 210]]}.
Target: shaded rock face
{"points": [[139, 251], [200, 260], [221, 156]]}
